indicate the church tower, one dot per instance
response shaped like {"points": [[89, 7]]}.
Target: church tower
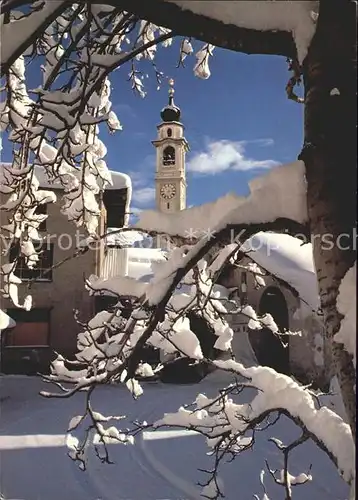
{"points": [[171, 146]]}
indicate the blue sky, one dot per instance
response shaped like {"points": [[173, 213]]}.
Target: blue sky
{"points": [[238, 123], [240, 113]]}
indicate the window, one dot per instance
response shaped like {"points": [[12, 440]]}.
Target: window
{"points": [[169, 132], [42, 271], [32, 328], [169, 156], [168, 205], [115, 202], [42, 210]]}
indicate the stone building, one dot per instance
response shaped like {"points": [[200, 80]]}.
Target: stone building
{"points": [[286, 287], [51, 325]]}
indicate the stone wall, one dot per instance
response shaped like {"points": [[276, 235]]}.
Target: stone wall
{"points": [[306, 356], [64, 293]]}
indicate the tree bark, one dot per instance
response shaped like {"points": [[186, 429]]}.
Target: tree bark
{"points": [[228, 36], [329, 154]]}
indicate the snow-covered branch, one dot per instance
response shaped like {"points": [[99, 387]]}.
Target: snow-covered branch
{"points": [[28, 28], [110, 348], [255, 28], [57, 130], [286, 479], [207, 24], [230, 426], [183, 310]]}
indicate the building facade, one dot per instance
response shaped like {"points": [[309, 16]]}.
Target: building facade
{"points": [[57, 283], [300, 353]]}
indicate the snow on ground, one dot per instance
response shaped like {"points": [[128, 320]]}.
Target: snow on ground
{"points": [[161, 465]]}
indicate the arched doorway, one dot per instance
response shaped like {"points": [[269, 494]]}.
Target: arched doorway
{"points": [[186, 370], [268, 348]]}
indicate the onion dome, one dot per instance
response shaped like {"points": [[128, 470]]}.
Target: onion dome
{"points": [[171, 112]]}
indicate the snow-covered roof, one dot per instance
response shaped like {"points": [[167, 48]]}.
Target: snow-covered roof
{"points": [[141, 262], [140, 271], [289, 259], [140, 268], [6, 321], [124, 238], [132, 262], [119, 179], [146, 254]]}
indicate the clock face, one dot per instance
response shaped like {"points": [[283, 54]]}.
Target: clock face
{"points": [[167, 191]]}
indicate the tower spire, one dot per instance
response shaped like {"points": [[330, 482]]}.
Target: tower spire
{"points": [[171, 146], [171, 113], [171, 91]]}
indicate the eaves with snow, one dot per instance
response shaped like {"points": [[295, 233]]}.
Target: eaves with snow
{"points": [[119, 179], [284, 256], [289, 259], [124, 239]]}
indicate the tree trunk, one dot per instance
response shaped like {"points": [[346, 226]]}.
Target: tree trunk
{"points": [[329, 154]]}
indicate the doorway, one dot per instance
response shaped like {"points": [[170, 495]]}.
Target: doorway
{"points": [[268, 348]]}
